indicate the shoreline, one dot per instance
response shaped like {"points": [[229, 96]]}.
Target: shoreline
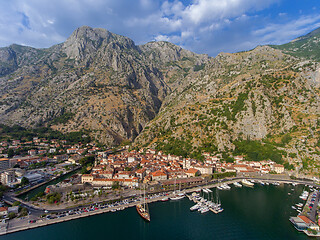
{"points": [[44, 183], [46, 222]]}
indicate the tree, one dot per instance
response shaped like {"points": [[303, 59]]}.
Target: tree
{"points": [[53, 198], [87, 160], [10, 153], [127, 168], [24, 181], [286, 139], [115, 185], [11, 215], [229, 159], [16, 203], [23, 211]]}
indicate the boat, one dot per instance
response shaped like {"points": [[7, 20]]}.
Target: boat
{"points": [[195, 207], [194, 194], [225, 186], [216, 206], [247, 183], [164, 199], [143, 209], [220, 209], [262, 183], [143, 212], [204, 210], [293, 207], [205, 190], [236, 184], [304, 195], [177, 196], [209, 190]]}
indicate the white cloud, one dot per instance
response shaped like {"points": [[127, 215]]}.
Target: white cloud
{"points": [[162, 38], [203, 26], [280, 33]]}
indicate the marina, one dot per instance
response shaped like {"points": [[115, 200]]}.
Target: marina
{"points": [[247, 210], [243, 208]]}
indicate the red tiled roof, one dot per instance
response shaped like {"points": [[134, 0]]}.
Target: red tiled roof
{"points": [[2, 209], [192, 170], [305, 219], [158, 173]]}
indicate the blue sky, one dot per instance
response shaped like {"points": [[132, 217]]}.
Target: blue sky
{"points": [[202, 26]]}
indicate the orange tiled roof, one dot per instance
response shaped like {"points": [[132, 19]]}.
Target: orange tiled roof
{"points": [[305, 219], [192, 170]]}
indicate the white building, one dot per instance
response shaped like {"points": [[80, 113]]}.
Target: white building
{"points": [[8, 177], [33, 177], [4, 163]]}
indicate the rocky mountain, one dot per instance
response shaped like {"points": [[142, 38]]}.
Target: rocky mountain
{"points": [[249, 95], [163, 96], [263, 95], [96, 81], [304, 47]]}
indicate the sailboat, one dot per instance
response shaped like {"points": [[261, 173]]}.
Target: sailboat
{"points": [[215, 206], [179, 195], [142, 208], [219, 209]]}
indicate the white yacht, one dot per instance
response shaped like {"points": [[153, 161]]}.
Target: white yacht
{"points": [[204, 210], [247, 183], [226, 186], [195, 207], [236, 184], [205, 190], [177, 196]]}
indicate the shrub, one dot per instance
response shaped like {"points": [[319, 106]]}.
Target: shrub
{"points": [[256, 151], [53, 198]]}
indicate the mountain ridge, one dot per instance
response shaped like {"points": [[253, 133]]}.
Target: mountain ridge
{"points": [[306, 46], [40, 89], [161, 95]]}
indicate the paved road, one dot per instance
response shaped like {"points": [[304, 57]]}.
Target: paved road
{"points": [[313, 212], [38, 211], [22, 224]]}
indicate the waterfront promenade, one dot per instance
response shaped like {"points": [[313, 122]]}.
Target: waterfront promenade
{"points": [[16, 225]]}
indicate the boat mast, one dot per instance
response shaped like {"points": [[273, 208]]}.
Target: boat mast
{"points": [[144, 196]]}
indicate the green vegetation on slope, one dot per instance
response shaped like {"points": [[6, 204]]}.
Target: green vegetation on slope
{"points": [[256, 151], [305, 47], [17, 132]]}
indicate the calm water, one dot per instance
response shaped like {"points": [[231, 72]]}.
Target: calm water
{"points": [[259, 213], [35, 191]]}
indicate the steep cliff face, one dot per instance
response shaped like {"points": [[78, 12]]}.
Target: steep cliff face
{"points": [[158, 93], [96, 81], [249, 95]]}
